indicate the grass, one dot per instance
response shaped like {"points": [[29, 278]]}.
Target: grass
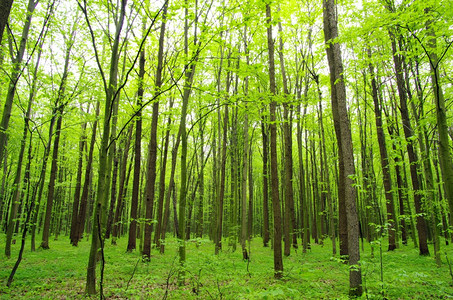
{"points": [[59, 273]]}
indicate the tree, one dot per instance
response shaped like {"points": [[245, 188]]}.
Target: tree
{"points": [[111, 91], [391, 217], [60, 103], [409, 133], [278, 262], [17, 69], [152, 158], [340, 113], [5, 9]]}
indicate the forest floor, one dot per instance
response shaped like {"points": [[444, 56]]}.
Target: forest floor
{"points": [[59, 273]]}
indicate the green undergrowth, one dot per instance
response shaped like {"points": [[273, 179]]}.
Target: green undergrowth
{"points": [[59, 273]]}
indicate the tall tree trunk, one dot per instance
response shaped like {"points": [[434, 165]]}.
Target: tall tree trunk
{"points": [[245, 171], [325, 167], [278, 261], [5, 9], [221, 193], [264, 134], [444, 149], [391, 217], [16, 189], [51, 187], [160, 202], [218, 213], [251, 214], [290, 216], [122, 185], [86, 185], [16, 71], [338, 97], [152, 158], [41, 182], [131, 245], [201, 190], [100, 207], [413, 160], [423, 140], [171, 188], [116, 153], [188, 80], [60, 103], [75, 205]]}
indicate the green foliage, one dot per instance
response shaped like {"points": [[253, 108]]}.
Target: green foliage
{"points": [[59, 273]]}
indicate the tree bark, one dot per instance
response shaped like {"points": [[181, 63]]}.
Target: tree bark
{"points": [[413, 160], [131, 245], [86, 186], [444, 149], [152, 158], [51, 187], [16, 71], [278, 261], [5, 9], [75, 205], [391, 217], [290, 216], [16, 189], [264, 134], [338, 97], [160, 202], [122, 185]]}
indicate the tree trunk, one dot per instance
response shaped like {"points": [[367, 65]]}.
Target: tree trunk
{"points": [[325, 167], [444, 149], [16, 184], [5, 9], [160, 201], [278, 262], [413, 160], [16, 71], [122, 185], [100, 205], [201, 190], [338, 97], [152, 158], [290, 216], [221, 193], [75, 205], [264, 134], [391, 217], [51, 187], [86, 186], [131, 245], [188, 80], [245, 171]]}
